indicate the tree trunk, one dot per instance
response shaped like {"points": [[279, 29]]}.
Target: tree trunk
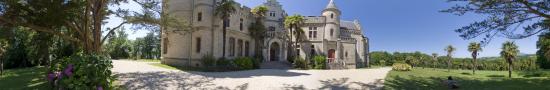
{"points": [[474, 66], [510, 67], [223, 36], [449, 65]]}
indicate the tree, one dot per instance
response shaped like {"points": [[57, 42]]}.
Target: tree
{"points": [[474, 47], [503, 17], [543, 54], [509, 53], [434, 59], [449, 49], [257, 30], [293, 23], [224, 10]]}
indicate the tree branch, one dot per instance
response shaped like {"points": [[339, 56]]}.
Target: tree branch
{"points": [[111, 31], [531, 9]]}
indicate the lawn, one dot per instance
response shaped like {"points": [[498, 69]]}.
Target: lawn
{"points": [[24, 79], [429, 79]]}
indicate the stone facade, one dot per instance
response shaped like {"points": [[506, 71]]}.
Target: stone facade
{"points": [[341, 41]]}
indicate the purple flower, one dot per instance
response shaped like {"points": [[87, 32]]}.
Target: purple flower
{"points": [[69, 70], [59, 75], [99, 88], [51, 77]]}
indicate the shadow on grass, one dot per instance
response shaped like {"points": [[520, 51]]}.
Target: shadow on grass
{"points": [[496, 76], [435, 83], [339, 84], [170, 81], [24, 79]]}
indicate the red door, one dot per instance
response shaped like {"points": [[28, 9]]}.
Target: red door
{"points": [[331, 55]]}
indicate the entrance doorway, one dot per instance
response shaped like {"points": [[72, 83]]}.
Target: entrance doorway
{"points": [[274, 51], [331, 55]]}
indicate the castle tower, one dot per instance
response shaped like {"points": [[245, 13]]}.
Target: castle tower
{"points": [[332, 27]]}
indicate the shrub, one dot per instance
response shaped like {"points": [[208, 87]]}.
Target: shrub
{"points": [[81, 72], [208, 60], [300, 63], [244, 63], [320, 62], [401, 67]]}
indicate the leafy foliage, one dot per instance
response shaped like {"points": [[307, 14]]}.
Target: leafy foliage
{"points": [[82, 71], [244, 63], [300, 63], [401, 67], [320, 62], [543, 54]]}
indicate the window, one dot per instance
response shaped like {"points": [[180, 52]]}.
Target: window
{"points": [[271, 28], [346, 54], [231, 46], [246, 48], [241, 25], [198, 47], [312, 32], [165, 48], [331, 15], [228, 23], [199, 16], [298, 52], [240, 47], [331, 32], [272, 13]]}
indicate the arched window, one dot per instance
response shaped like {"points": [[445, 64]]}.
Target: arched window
{"points": [[331, 15]]}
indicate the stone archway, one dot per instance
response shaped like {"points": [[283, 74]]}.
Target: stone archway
{"points": [[274, 51]]}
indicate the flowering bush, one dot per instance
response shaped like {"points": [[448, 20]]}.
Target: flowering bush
{"points": [[401, 67], [81, 72]]}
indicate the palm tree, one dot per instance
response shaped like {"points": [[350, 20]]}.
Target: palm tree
{"points": [[434, 58], [449, 49], [258, 29], [294, 22], [224, 10], [474, 47], [509, 52]]}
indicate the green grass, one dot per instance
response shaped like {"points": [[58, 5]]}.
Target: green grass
{"points": [[24, 79], [429, 79], [142, 60], [163, 66]]}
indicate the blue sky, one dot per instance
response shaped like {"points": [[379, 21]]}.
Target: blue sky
{"points": [[399, 25]]}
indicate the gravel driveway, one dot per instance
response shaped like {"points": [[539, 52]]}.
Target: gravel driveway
{"points": [[142, 76]]}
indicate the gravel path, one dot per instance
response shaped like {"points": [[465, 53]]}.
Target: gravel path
{"points": [[142, 76]]}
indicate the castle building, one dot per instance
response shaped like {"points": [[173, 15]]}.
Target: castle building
{"points": [[341, 41]]}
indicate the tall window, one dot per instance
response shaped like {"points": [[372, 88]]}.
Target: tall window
{"points": [[271, 28], [312, 52], [246, 48], [240, 47], [165, 48], [312, 32], [272, 13], [231, 46], [331, 15], [199, 16], [198, 47], [228, 22], [331, 32], [241, 25]]}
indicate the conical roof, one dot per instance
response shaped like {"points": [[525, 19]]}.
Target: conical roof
{"points": [[331, 5]]}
